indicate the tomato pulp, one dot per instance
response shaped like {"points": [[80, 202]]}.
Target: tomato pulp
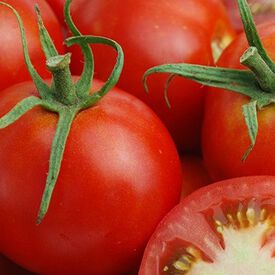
{"points": [[224, 228]]}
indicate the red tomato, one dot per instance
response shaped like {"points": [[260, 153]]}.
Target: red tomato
{"points": [[151, 33], [120, 175], [194, 174], [263, 11], [224, 228], [58, 7], [225, 136], [7, 267], [12, 65]]}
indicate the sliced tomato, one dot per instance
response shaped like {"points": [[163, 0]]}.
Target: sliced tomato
{"points": [[225, 228]]}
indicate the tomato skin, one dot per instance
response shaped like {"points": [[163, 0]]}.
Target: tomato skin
{"points": [[152, 33], [116, 182], [186, 224], [58, 7], [12, 66], [7, 267], [262, 10], [194, 174], [225, 136]]}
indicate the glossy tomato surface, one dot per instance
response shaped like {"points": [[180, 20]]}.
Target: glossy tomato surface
{"points": [[152, 33], [7, 267], [58, 8], [263, 11], [120, 175], [217, 230], [225, 136], [12, 66]]}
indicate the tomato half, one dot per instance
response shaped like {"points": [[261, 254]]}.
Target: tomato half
{"points": [[120, 175], [224, 228], [263, 11], [12, 65], [152, 33], [225, 136]]}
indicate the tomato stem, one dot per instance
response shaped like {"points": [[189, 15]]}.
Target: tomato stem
{"points": [[63, 88], [264, 75]]}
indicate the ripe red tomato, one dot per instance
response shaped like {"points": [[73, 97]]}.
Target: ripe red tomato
{"points": [[263, 11], [120, 175], [225, 136], [151, 33], [194, 174], [58, 7], [7, 267], [12, 65], [224, 228]]}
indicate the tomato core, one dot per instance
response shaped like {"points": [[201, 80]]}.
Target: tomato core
{"points": [[245, 243]]}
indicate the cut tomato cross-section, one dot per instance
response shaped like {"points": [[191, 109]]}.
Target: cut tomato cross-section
{"points": [[227, 228]]}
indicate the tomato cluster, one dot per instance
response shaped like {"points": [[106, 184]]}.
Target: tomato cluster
{"points": [[113, 168]]}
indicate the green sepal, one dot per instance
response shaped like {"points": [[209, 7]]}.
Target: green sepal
{"points": [[240, 81], [251, 121], [83, 85], [252, 34], [116, 72], [66, 117], [45, 39], [19, 110]]}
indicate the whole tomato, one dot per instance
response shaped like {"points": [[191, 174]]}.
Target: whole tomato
{"points": [[225, 136], [12, 65], [263, 11], [151, 33], [87, 170], [120, 175], [238, 128]]}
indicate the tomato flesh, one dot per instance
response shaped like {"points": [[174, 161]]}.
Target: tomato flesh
{"points": [[224, 228]]}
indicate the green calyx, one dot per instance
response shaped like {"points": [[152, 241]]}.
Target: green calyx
{"points": [[258, 83], [63, 96]]}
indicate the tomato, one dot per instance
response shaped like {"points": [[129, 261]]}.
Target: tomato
{"points": [[194, 174], [263, 11], [58, 7], [155, 32], [7, 267], [12, 66], [224, 228], [120, 175], [225, 136]]}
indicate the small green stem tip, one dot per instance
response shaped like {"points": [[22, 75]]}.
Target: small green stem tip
{"points": [[263, 73]]}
